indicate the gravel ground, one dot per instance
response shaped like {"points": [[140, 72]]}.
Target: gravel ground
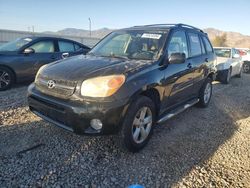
{"points": [[199, 148]]}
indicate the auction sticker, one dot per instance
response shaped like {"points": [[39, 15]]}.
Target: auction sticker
{"points": [[151, 36]]}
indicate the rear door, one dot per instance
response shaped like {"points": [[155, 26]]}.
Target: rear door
{"points": [[199, 60], [68, 48], [179, 77]]}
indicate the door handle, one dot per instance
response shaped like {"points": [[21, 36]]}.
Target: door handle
{"points": [[189, 65], [53, 57]]}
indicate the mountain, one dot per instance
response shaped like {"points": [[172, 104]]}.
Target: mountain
{"points": [[99, 33], [234, 39]]}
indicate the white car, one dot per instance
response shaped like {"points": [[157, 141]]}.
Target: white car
{"points": [[246, 60], [229, 63]]}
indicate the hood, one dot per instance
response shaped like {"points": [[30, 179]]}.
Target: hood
{"points": [[222, 60], [85, 66]]}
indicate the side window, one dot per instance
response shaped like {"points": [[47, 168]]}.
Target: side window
{"points": [[195, 46], [208, 45], [202, 46], [178, 43], [43, 47], [65, 46], [77, 47]]}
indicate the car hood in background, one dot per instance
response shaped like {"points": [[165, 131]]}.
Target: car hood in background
{"points": [[86, 66]]}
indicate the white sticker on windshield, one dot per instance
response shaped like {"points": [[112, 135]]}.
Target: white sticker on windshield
{"points": [[151, 36], [28, 39]]}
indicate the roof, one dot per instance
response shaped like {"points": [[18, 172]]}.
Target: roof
{"points": [[167, 26]]}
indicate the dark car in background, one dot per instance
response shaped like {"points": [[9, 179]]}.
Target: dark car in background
{"points": [[21, 59], [131, 80]]}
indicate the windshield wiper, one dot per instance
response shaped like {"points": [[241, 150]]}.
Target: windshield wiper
{"points": [[119, 56]]}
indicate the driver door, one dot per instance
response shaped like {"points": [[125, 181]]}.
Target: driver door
{"points": [[44, 53]]}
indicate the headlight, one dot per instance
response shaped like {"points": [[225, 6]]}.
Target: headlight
{"points": [[39, 71], [103, 86]]}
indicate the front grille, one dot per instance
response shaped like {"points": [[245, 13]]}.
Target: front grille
{"points": [[62, 89]]}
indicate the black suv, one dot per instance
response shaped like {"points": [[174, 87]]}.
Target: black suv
{"points": [[130, 81]]}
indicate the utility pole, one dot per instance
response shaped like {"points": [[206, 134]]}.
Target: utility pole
{"points": [[90, 27]]}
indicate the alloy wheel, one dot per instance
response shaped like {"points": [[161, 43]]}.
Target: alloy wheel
{"points": [[207, 92], [4, 79], [142, 125]]}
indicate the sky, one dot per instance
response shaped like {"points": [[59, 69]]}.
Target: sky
{"points": [[54, 15]]}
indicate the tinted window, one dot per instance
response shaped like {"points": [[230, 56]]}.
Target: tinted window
{"points": [[65, 46], [207, 44], [77, 47], [43, 47], [202, 47], [195, 47], [178, 43]]}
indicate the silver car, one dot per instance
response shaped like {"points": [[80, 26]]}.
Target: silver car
{"points": [[229, 63]]}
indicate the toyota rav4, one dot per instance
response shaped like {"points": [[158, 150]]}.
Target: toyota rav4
{"points": [[130, 81]]}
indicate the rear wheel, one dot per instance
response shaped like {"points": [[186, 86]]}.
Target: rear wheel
{"points": [[205, 93], [6, 78], [246, 67], [138, 124]]}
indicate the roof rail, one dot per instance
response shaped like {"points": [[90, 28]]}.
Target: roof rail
{"points": [[174, 25], [189, 26]]}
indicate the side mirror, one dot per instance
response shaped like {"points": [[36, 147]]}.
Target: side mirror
{"points": [[236, 56], [29, 51], [65, 55], [177, 58]]}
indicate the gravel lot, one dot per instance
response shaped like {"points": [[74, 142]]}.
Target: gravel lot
{"points": [[199, 148]]}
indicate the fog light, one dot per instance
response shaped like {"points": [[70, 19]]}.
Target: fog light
{"points": [[96, 124]]}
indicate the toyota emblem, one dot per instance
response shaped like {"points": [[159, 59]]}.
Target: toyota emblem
{"points": [[51, 84]]}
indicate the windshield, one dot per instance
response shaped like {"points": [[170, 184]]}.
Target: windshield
{"points": [[223, 52], [133, 44], [15, 45]]}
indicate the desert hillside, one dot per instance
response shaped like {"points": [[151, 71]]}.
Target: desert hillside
{"points": [[234, 39]]}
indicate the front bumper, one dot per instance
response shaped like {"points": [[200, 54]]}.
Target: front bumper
{"points": [[76, 115]]}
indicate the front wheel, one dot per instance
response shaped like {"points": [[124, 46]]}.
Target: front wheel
{"points": [[138, 124], [205, 93]]}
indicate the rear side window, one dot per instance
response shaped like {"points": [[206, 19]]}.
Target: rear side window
{"points": [[207, 45], [43, 47], [202, 47], [65, 46], [178, 43], [195, 45], [77, 47]]}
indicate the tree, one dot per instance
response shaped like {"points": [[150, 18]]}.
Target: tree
{"points": [[220, 40]]}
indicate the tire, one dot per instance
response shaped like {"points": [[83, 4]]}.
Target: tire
{"points": [[6, 78], [240, 74], [205, 93], [226, 77], [246, 67], [132, 125]]}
